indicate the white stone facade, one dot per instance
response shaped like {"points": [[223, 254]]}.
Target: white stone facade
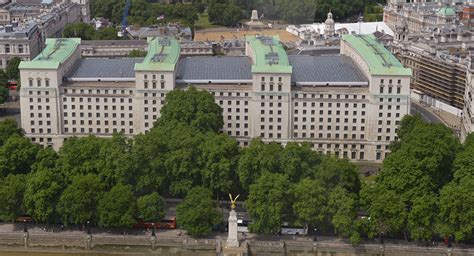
{"points": [[346, 119]]}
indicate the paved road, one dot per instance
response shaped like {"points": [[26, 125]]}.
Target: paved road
{"points": [[427, 115]]}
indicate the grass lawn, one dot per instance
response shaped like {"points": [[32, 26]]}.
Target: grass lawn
{"points": [[203, 22]]}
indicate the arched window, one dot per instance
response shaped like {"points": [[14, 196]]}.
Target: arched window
{"points": [[7, 48]]}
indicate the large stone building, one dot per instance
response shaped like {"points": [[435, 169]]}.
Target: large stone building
{"points": [[347, 104], [23, 42], [422, 15], [436, 41]]}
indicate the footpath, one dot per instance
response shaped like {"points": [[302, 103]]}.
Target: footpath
{"points": [[39, 239]]}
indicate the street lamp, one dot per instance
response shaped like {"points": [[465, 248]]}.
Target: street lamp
{"points": [[153, 229], [24, 226], [88, 227]]}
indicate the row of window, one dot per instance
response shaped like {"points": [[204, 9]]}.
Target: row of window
{"points": [[97, 115], [38, 82], [329, 112], [229, 94], [271, 87], [39, 107], [97, 107], [21, 48], [42, 140], [245, 118], [390, 90], [329, 96], [328, 136], [389, 114], [329, 104], [98, 91], [145, 85], [38, 92], [390, 81], [272, 78], [98, 122], [40, 122], [41, 130], [105, 100], [153, 76], [238, 133], [328, 128], [229, 102], [237, 125], [329, 120], [97, 130]]}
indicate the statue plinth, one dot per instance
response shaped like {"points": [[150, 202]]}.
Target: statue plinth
{"points": [[232, 239]]}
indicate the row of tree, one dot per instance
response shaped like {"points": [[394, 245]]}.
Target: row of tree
{"points": [[145, 13], [231, 12], [301, 11], [424, 190], [87, 32]]}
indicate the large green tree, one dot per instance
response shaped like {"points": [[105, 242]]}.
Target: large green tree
{"points": [[198, 213], [118, 207], [9, 128], [385, 208], [456, 210], [257, 159], [268, 202], [151, 207], [218, 158], [310, 200], [192, 107], [422, 217], [78, 202], [342, 206], [17, 155], [299, 161], [12, 190], [43, 189]]}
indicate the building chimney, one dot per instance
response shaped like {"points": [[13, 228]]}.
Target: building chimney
{"points": [[8, 28]]}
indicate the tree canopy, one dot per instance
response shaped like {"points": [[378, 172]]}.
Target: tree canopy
{"points": [[87, 32], [198, 213]]}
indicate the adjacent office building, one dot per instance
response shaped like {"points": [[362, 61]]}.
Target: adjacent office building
{"points": [[348, 104]]}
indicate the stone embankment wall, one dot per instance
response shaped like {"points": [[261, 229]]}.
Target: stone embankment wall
{"points": [[61, 244]]}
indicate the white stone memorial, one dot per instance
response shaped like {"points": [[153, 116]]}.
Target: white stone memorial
{"points": [[232, 239], [254, 15]]}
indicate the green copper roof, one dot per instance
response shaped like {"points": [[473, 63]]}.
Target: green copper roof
{"points": [[378, 58], [163, 54], [56, 52], [270, 56], [446, 11]]}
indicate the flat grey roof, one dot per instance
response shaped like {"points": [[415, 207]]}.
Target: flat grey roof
{"points": [[104, 68], [214, 68], [325, 69]]}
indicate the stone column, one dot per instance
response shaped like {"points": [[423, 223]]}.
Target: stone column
{"points": [[232, 239], [26, 234]]}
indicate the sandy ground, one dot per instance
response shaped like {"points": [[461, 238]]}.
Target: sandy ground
{"points": [[230, 34]]}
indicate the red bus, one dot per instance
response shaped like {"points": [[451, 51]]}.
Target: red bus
{"points": [[163, 224], [12, 85]]}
